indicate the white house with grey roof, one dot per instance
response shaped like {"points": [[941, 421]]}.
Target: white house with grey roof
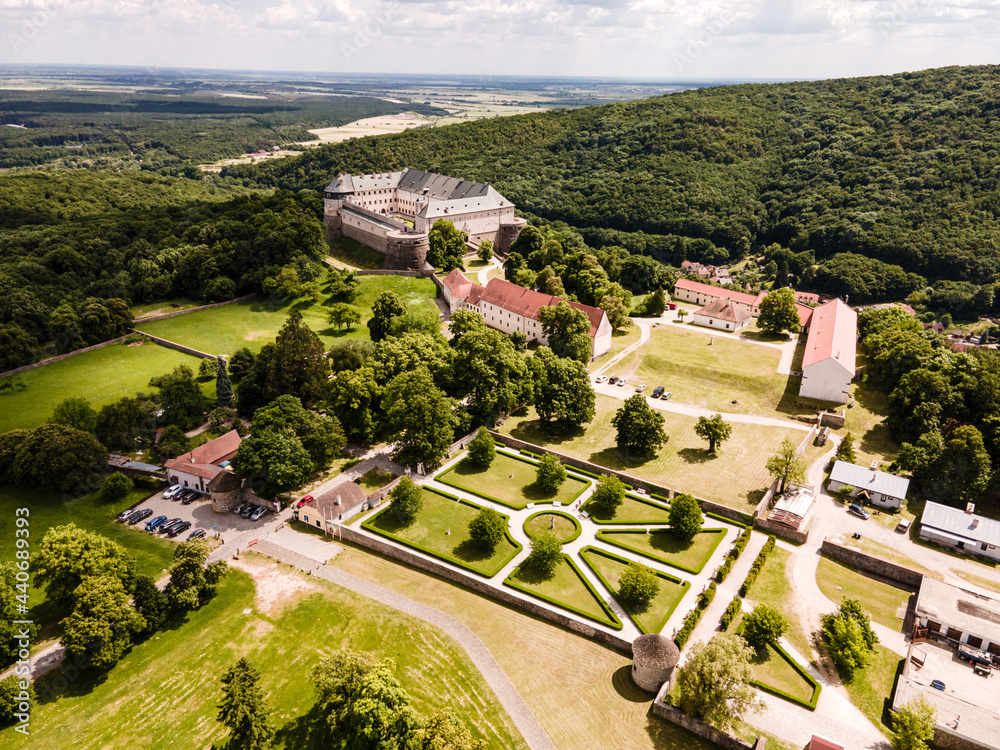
{"points": [[878, 487], [961, 529]]}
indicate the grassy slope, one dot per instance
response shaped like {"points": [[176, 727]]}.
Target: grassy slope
{"points": [[735, 477], [510, 480], [166, 690], [223, 330], [838, 582], [101, 376]]}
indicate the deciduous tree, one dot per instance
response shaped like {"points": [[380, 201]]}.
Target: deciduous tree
{"points": [[487, 528], [638, 585], [714, 683], [609, 494], [764, 626], [407, 500], [714, 430], [551, 473], [640, 433], [447, 245], [616, 311], [482, 448], [181, 398], [63, 457], [103, 622], [386, 307], [849, 637], [272, 461], [191, 581], [913, 724], [115, 486], [418, 416], [354, 399], [778, 312], [344, 315], [686, 518], [786, 464], [562, 390], [566, 329], [76, 412], [546, 553], [485, 251], [321, 436]]}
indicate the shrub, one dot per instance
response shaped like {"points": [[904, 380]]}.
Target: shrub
{"points": [[705, 597], [686, 518], [731, 611], [482, 448], [115, 487], [638, 585], [487, 528], [758, 564], [690, 622]]}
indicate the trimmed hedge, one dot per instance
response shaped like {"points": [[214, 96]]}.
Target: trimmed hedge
{"points": [[664, 559], [638, 499], [725, 520], [576, 524], [691, 621], [442, 479], [685, 585], [733, 556], [369, 525], [757, 565], [731, 611], [615, 622], [817, 688]]}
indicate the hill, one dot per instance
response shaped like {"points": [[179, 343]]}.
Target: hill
{"points": [[903, 169]]}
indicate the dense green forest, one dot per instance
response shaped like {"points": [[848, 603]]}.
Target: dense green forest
{"points": [[903, 169], [166, 131]]}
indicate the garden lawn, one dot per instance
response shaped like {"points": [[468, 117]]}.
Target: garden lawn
{"points": [[773, 589], [654, 617], [510, 481], [633, 510], [871, 688], [166, 690], [223, 330], [428, 533], [736, 477], [881, 600], [100, 376], [772, 669], [566, 588], [708, 372], [374, 479], [541, 523], [667, 548], [607, 710]]}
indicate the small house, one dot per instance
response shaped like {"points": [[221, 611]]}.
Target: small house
{"points": [[878, 487], [723, 314], [198, 467], [333, 503], [961, 529]]}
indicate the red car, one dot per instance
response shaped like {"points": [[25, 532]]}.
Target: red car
{"points": [[303, 501]]}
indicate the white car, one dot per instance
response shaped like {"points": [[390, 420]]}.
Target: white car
{"points": [[622, 381], [640, 388], [601, 379], [172, 491]]}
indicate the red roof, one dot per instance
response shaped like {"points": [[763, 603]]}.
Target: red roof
{"points": [[475, 292], [204, 460], [818, 743], [458, 284], [742, 298], [833, 334], [527, 302], [806, 297], [724, 310]]}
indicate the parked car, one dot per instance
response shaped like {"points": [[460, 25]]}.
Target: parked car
{"points": [[671, 305], [658, 391], [141, 515], [171, 491], [903, 526], [937, 684], [640, 388], [303, 501], [179, 528], [189, 497], [123, 516], [258, 514], [196, 534], [859, 512], [165, 527], [612, 380], [238, 510], [622, 381], [155, 523], [666, 396], [601, 379], [247, 510]]}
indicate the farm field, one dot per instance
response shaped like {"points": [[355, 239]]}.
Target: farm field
{"points": [[167, 689], [736, 477], [880, 600], [607, 711], [709, 372], [566, 587], [652, 619], [101, 376], [667, 548], [510, 481], [441, 528], [256, 322]]}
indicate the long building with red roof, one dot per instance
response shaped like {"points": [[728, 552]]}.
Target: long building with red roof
{"points": [[706, 294], [829, 363], [509, 308]]}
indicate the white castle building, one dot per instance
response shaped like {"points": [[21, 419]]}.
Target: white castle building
{"points": [[392, 212]]}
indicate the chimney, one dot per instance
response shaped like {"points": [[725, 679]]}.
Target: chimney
{"points": [[975, 523], [970, 507], [337, 502]]}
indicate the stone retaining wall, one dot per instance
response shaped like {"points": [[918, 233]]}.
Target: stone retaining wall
{"points": [[179, 347], [858, 559], [706, 505], [781, 531], [50, 360], [480, 586], [949, 739], [700, 728], [174, 314]]}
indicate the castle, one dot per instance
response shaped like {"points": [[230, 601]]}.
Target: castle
{"points": [[393, 212]]}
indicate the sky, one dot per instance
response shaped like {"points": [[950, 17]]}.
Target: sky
{"points": [[669, 39]]}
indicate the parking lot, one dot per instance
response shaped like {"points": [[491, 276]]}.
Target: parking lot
{"points": [[201, 516]]}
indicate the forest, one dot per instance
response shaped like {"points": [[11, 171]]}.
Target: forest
{"points": [[901, 169]]}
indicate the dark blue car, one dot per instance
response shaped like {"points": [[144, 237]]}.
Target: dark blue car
{"points": [[155, 523]]}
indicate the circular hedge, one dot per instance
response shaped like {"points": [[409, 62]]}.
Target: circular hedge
{"points": [[565, 536]]}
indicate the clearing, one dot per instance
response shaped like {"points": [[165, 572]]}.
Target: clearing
{"points": [[509, 480]]}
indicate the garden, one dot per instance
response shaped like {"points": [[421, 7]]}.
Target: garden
{"points": [[509, 480], [633, 510], [666, 547], [565, 587], [882, 600]]}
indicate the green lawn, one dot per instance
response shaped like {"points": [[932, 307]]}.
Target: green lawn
{"points": [[566, 588], [166, 691], [101, 376], [709, 372], [665, 547], [429, 532], [771, 668], [634, 509], [374, 479], [736, 477], [47, 508], [871, 688], [147, 309], [348, 253], [881, 600], [566, 528], [620, 341], [653, 618], [510, 481], [223, 330], [773, 589]]}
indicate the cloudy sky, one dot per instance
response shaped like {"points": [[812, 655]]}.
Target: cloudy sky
{"points": [[630, 38]]}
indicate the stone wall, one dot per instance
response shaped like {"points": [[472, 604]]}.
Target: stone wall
{"points": [[949, 739], [781, 531], [858, 559], [481, 586], [179, 347], [700, 728], [175, 313], [706, 505], [50, 360]]}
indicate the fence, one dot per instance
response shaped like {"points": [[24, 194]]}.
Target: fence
{"points": [[50, 360], [857, 559], [179, 347], [175, 313]]}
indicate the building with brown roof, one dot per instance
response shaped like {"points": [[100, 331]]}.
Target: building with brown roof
{"points": [[705, 294], [333, 503], [828, 366], [723, 314], [196, 468]]}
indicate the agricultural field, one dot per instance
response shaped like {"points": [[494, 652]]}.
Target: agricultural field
{"points": [[223, 330], [101, 376], [441, 528], [735, 477], [166, 690], [510, 481]]}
